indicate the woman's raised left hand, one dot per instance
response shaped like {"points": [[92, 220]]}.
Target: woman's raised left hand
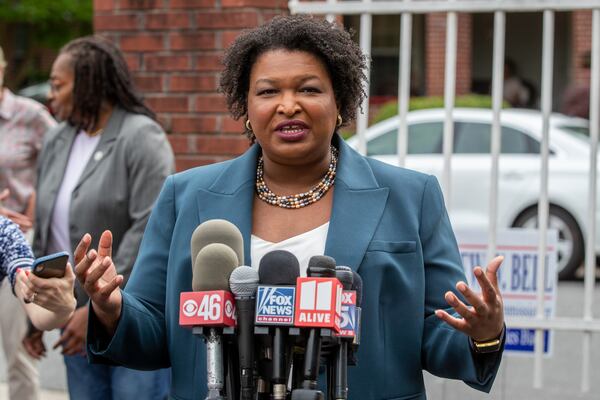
{"points": [[484, 318]]}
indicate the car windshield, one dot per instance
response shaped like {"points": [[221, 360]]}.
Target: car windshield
{"points": [[580, 132]]}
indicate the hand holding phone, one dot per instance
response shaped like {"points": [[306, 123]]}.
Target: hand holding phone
{"points": [[51, 266]]}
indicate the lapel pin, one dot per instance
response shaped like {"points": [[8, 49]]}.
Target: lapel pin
{"points": [[98, 156]]}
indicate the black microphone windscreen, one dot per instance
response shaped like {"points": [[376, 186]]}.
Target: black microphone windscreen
{"points": [[321, 266], [217, 231], [345, 276], [243, 281], [278, 267], [357, 284], [214, 263]]}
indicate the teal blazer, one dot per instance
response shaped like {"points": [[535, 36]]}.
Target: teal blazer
{"points": [[387, 223]]}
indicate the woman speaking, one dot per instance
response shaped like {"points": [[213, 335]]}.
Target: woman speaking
{"points": [[295, 81]]}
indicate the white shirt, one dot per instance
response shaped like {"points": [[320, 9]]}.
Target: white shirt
{"points": [[303, 246], [81, 151]]}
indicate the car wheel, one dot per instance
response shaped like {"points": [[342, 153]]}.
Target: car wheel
{"points": [[570, 239]]}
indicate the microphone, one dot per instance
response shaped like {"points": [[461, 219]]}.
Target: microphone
{"points": [[211, 306], [357, 287], [278, 271], [217, 231], [340, 365], [243, 282], [318, 306]]}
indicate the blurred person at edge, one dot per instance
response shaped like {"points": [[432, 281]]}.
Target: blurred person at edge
{"points": [[101, 168], [576, 100], [23, 123], [295, 81]]}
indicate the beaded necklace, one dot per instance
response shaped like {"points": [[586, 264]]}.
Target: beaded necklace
{"points": [[296, 200]]}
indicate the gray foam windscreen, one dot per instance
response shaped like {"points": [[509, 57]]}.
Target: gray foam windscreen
{"points": [[217, 231], [212, 267]]}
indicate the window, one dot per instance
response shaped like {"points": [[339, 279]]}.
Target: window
{"points": [[469, 138], [423, 138], [475, 138]]}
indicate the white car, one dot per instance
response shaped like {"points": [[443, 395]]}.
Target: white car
{"points": [[519, 169]]}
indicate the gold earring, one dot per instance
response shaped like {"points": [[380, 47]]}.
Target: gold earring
{"points": [[248, 126], [340, 121]]}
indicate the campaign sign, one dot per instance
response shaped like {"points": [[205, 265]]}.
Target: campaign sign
{"points": [[517, 278], [318, 303], [275, 305], [212, 308], [348, 321]]}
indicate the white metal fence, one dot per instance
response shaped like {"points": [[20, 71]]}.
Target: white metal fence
{"points": [[407, 8]]}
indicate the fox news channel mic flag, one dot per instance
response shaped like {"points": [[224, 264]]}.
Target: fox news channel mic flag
{"points": [[517, 278]]}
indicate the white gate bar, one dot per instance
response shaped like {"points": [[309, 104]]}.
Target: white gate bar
{"points": [[362, 121], [330, 17], [590, 251], [449, 93], [404, 68], [497, 98], [557, 323], [547, 76], [428, 6]]}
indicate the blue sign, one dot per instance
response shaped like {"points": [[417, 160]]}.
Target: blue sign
{"points": [[523, 340], [275, 305]]}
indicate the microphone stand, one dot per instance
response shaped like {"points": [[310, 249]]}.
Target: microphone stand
{"points": [[214, 362]]}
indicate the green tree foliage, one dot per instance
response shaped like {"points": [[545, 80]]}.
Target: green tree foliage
{"points": [[390, 109], [50, 22]]}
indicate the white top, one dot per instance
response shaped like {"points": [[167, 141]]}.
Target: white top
{"points": [[303, 246], [81, 151]]}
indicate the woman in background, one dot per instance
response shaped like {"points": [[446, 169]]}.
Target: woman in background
{"points": [[101, 168]]}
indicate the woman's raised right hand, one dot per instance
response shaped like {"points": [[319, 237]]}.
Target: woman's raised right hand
{"points": [[98, 276]]}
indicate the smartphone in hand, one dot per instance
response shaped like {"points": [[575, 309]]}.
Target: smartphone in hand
{"points": [[51, 266]]}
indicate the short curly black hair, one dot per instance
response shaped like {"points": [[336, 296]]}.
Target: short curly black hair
{"points": [[345, 62]]}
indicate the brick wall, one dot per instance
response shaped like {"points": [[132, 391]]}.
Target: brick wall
{"points": [[435, 45], [582, 43], [173, 49]]}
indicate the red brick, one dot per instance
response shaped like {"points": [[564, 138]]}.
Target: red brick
{"points": [[211, 103], [254, 3], [116, 22], [435, 53], [142, 42], [267, 16], [193, 41], [222, 145], [167, 63], [164, 120], [230, 125], [104, 5], [193, 83], [227, 20], [227, 38], [149, 83], [187, 162], [181, 143], [167, 21], [192, 3], [205, 124], [133, 61], [168, 104], [140, 4], [209, 62]]}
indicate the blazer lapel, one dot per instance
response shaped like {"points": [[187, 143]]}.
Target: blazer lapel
{"points": [[231, 196], [107, 139], [358, 203]]}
